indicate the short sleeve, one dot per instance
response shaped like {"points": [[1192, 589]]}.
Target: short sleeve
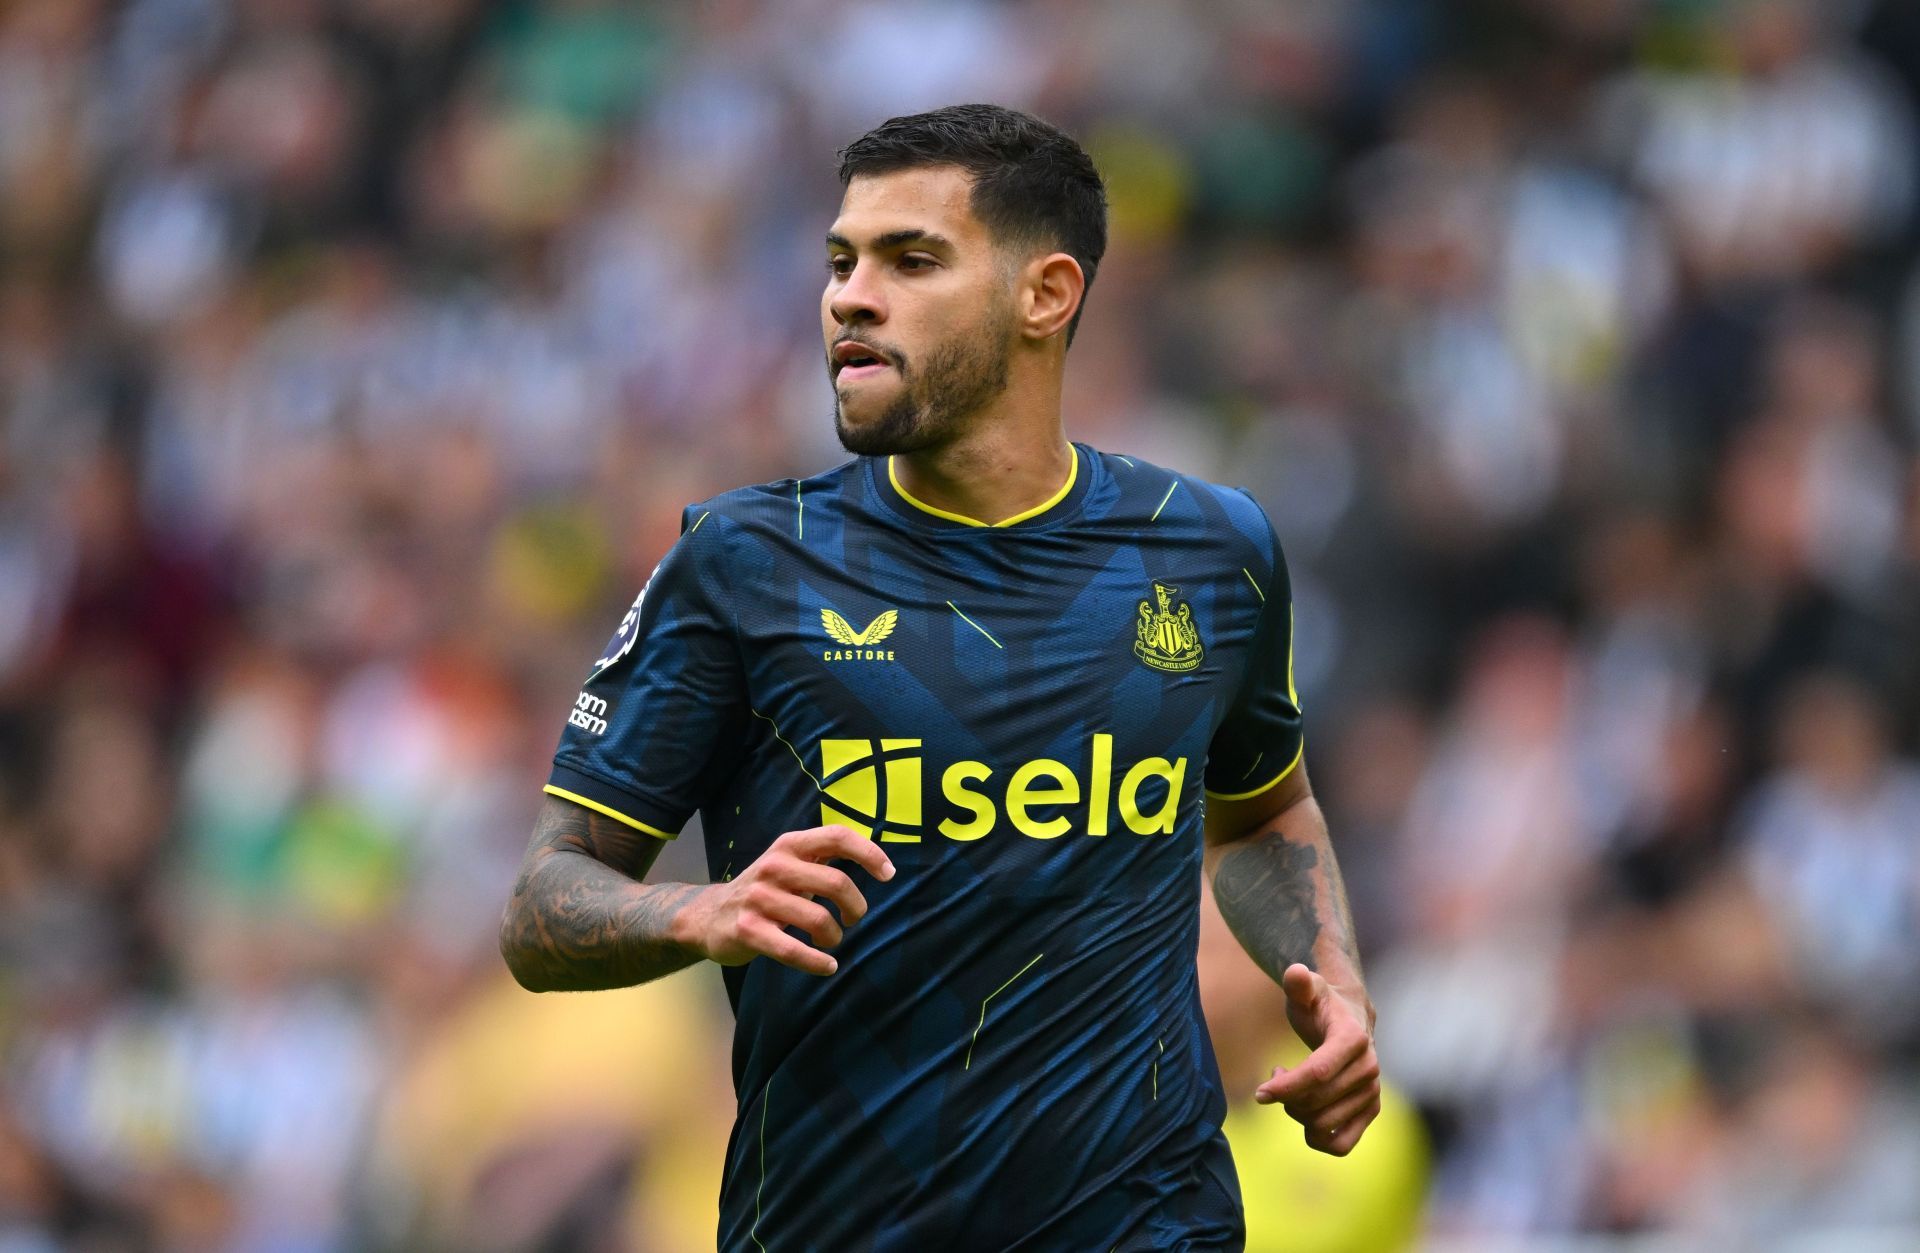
{"points": [[1261, 739], [653, 734]]}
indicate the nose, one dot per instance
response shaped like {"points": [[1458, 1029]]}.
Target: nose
{"points": [[859, 298]]}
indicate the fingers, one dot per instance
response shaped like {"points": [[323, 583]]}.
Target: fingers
{"points": [[827, 843], [1339, 1143], [1336, 1115], [787, 910], [813, 879], [1314, 1081], [778, 891], [1361, 1073], [1335, 1126], [765, 937]]}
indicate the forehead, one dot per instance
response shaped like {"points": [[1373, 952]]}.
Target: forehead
{"points": [[933, 198]]}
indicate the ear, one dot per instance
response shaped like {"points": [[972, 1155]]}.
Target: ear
{"points": [[1051, 288]]}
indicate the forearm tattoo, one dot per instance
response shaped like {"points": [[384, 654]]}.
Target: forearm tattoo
{"points": [[577, 921], [1285, 902]]}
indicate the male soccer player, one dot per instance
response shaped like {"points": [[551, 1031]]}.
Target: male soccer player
{"points": [[969, 690]]}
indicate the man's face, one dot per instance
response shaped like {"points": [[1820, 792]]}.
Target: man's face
{"points": [[917, 313]]}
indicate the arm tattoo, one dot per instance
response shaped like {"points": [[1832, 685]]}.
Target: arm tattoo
{"points": [[1285, 902], [578, 920]]}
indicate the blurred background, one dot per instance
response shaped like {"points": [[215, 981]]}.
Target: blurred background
{"points": [[357, 357]]}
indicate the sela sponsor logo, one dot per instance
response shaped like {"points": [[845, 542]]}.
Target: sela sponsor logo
{"points": [[858, 645], [589, 714], [879, 786]]}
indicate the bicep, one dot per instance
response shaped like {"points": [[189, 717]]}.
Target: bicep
{"points": [[1257, 753], [566, 826], [1231, 820]]}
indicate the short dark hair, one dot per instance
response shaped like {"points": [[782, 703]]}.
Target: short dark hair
{"points": [[1032, 184]]}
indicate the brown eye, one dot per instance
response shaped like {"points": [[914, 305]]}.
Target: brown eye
{"points": [[840, 266]]}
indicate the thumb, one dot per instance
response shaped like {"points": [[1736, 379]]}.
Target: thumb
{"points": [[1304, 988]]}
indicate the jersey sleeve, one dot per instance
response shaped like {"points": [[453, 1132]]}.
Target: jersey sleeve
{"points": [[1261, 739], [650, 736]]}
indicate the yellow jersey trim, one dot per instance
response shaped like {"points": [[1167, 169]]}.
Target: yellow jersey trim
{"points": [[1269, 785], [1073, 475], [968, 1065], [1293, 693], [975, 625], [598, 808]]}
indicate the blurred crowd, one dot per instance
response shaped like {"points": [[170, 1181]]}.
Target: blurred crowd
{"points": [[357, 356]]}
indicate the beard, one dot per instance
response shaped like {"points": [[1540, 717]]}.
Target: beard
{"points": [[960, 377]]}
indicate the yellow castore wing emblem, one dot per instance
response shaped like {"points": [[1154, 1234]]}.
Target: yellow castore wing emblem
{"points": [[842, 631]]}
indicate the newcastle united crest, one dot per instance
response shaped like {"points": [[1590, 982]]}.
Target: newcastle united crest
{"points": [[1166, 637]]}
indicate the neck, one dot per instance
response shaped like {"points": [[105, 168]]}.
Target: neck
{"points": [[1014, 459]]}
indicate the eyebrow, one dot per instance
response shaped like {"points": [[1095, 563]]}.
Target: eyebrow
{"points": [[892, 239]]}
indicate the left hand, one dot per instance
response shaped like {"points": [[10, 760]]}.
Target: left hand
{"points": [[1335, 1092]]}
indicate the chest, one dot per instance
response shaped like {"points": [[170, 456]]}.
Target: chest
{"points": [[1009, 650]]}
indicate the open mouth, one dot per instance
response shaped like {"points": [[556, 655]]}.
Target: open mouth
{"points": [[854, 371], [853, 361]]}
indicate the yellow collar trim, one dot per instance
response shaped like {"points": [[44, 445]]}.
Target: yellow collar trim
{"points": [[1073, 474]]}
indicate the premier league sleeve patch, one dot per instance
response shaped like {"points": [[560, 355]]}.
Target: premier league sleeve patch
{"points": [[628, 631]]}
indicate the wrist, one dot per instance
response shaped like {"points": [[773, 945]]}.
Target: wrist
{"points": [[687, 926]]}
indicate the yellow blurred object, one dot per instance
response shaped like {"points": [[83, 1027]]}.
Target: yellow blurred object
{"points": [[550, 562], [511, 1069], [1148, 182], [1302, 1201], [340, 865]]}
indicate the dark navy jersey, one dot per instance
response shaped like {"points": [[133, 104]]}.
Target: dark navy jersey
{"points": [[1027, 716]]}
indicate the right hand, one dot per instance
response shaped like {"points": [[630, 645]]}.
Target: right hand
{"points": [[734, 922]]}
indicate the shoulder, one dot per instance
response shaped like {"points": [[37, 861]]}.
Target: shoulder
{"points": [[771, 510], [1153, 495]]}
